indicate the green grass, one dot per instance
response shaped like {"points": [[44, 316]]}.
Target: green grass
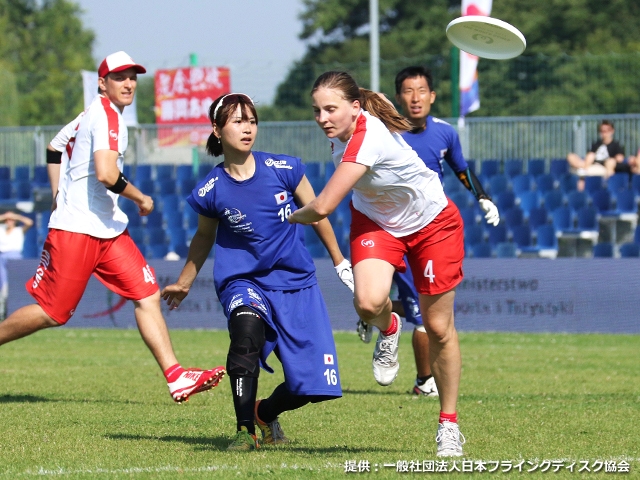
{"points": [[93, 404]]}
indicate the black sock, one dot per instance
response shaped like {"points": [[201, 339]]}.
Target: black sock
{"points": [[281, 400], [421, 380], [244, 390]]}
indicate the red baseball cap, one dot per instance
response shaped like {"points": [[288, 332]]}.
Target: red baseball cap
{"points": [[117, 62]]}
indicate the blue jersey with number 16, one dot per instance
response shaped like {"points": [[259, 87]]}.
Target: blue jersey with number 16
{"points": [[254, 240]]}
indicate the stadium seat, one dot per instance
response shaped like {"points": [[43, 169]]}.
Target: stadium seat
{"points": [[190, 217], [546, 238], [204, 169], [553, 200], [601, 200], [148, 186], [166, 186], [538, 216], [40, 176], [164, 172], [558, 167], [489, 168], [535, 166], [177, 238], [136, 234], [21, 173], [635, 183], [23, 189], [453, 185], [498, 184], [313, 170], [505, 200], [126, 169], [135, 220], [576, 200], [603, 250], [496, 234], [317, 250], [619, 181], [6, 189], [183, 250], [173, 219], [630, 250], [329, 168], [513, 217], [545, 183], [626, 201], [5, 173], [568, 183], [506, 250], [186, 186], [142, 172], [154, 219], [587, 219], [468, 215], [472, 165], [562, 219], [156, 235], [636, 235], [473, 234], [184, 172], [521, 183], [528, 201], [481, 250], [513, 167], [157, 250], [31, 248], [170, 203], [522, 236], [461, 199], [591, 184]]}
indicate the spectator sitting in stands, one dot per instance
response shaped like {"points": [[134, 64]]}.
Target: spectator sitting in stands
{"points": [[11, 244], [604, 158]]}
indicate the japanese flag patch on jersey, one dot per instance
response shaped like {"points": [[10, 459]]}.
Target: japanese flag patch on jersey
{"points": [[328, 359], [281, 197]]}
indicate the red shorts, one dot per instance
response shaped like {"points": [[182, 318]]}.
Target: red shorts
{"points": [[435, 253], [67, 261]]}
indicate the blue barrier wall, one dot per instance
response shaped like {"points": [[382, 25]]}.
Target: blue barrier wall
{"points": [[508, 295]]}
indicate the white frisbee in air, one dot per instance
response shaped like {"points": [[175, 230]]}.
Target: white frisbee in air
{"points": [[486, 37]]}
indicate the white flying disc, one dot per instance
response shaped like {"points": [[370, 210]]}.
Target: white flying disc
{"points": [[486, 37]]}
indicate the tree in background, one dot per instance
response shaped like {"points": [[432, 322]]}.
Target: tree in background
{"points": [[582, 55], [43, 47]]}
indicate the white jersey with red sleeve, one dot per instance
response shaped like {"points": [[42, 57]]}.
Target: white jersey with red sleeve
{"points": [[398, 192], [84, 205]]}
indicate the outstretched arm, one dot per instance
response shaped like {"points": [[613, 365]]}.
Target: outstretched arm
{"points": [[341, 182]]}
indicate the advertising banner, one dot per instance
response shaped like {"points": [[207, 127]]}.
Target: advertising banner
{"points": [[183, 97]]}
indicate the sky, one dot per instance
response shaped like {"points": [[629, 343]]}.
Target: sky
{"points": [[257, 39]]}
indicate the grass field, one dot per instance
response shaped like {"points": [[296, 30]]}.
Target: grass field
{"points": [[93, 404]]}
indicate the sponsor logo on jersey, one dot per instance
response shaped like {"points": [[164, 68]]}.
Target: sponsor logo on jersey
{"points": [[328, 359], [281, 197], [234, 215], [235, 304], [367, 243], [45, 260], [270, 162], [113, 134], [207, 187]]}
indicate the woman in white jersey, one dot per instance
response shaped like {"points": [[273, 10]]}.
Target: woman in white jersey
{"points": [[398, 207]]}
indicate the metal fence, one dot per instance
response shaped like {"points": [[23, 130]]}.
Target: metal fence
{"points": [[482, 138]]}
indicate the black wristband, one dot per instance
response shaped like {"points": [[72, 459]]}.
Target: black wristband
{"points": [[120, 184], [53, 156]]}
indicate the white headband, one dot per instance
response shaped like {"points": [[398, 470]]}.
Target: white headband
{"points": [[215, 110]]}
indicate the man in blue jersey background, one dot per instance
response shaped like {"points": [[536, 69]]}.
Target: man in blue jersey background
{"points": [[436, 142]]}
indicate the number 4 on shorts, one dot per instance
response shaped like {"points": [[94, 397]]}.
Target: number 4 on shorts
{"points": [[148, 276], [428, 271]]}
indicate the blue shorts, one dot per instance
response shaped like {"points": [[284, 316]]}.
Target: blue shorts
{"points": [[408, 295], [298, 331]]}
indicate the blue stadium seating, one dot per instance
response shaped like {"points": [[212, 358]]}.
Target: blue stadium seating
{"points": [[591, 184], [528, 201], [506, 250], [164, 172], [522, 236], [204, 169], [630, 250], [184, 172], [601, 199], [498, 183], [186, 186], [576, 200], [489, 168], [166, 186], [462, 199], [553, 199], [157, 250], [5, 173], [156, 235], [562, 219], [147, 186], [481, 250], [505, 200], [568, 183], [521, 183], [619, 181], [135, 220], [558, 167], [468, 215], [546, 237], [40, 176], [329, 168], [626, 201], [473, 234], [587, 219], [6, 189], [635, 183], [472, 165], [535, 166], [21, 172], [177, 238], [545, 183], [154, 219], [142, 172], [513, 217], [513, 167], [23, 189], [603, 250], [31, 248], [313, 170], [538, 216], [496, 234]]}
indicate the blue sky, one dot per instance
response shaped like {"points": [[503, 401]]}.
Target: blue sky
{"points": [[257, 39]]}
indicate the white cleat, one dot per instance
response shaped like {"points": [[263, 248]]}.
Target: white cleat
{"points": [[449, 440], [365, 331], [385, 356], [428, 388]]}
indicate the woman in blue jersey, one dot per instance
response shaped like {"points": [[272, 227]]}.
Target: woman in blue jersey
{"points": [[263, 273]]}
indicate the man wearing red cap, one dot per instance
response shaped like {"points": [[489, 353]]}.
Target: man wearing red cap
{"points": [[88, 235]]}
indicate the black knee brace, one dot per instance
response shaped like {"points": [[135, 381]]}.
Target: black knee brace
{"points": [[246, 330]]}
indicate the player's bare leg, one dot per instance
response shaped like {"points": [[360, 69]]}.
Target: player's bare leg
{"points": [[23, 322], [444, 347], [420, 343], [154, 331]]}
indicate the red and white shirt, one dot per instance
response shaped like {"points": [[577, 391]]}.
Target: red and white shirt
{"points": [[398, 191], [84, 205]]}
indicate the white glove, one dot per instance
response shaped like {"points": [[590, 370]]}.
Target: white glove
{"points": [[343, 269], [492, 216]]}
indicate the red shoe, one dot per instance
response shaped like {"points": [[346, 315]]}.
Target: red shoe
{"points": [[195, 380]]}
